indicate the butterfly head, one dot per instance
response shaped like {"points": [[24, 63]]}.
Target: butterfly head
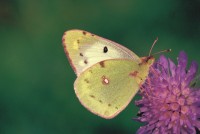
{"points": [[147, 61]]}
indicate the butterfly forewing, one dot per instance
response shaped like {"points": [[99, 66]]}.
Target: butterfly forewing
{"points": [[85, 49]]}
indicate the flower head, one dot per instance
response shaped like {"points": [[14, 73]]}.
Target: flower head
{"points": [[169, 104]]}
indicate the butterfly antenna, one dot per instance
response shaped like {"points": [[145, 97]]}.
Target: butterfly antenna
{"points": [[163, 51], [153, 45]]}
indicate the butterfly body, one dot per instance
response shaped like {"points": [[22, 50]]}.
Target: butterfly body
{"points": [[108, 74]]}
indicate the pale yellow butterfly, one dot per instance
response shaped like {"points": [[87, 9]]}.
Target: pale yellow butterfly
{"points": [[108, 74]]}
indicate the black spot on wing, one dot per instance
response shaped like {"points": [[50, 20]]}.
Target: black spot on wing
{"points": [[105, 49], [85, 61]]}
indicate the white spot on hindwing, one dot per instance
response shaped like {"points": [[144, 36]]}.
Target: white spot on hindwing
{"points": [[105, 80]]}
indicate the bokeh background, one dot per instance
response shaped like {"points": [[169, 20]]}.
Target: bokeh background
{"points": [[36, 80]]}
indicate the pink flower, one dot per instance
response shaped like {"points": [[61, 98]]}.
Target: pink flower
{"points": [[169, 104]]}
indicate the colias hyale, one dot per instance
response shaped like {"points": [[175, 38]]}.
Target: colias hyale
{"points": [[108, 74]]}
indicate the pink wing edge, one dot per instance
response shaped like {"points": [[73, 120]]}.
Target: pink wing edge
{"points": [[66, 52]]}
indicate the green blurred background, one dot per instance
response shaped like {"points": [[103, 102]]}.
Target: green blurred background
{"points": [[36, 94]]}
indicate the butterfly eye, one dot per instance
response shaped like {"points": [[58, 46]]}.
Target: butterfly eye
{"points": [[105, 49]]}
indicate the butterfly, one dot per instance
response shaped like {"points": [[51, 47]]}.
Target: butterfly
{"points": [[108, 74]]}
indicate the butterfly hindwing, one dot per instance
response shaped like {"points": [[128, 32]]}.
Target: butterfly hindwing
{"points": [[107, 87], [85, 49]]}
